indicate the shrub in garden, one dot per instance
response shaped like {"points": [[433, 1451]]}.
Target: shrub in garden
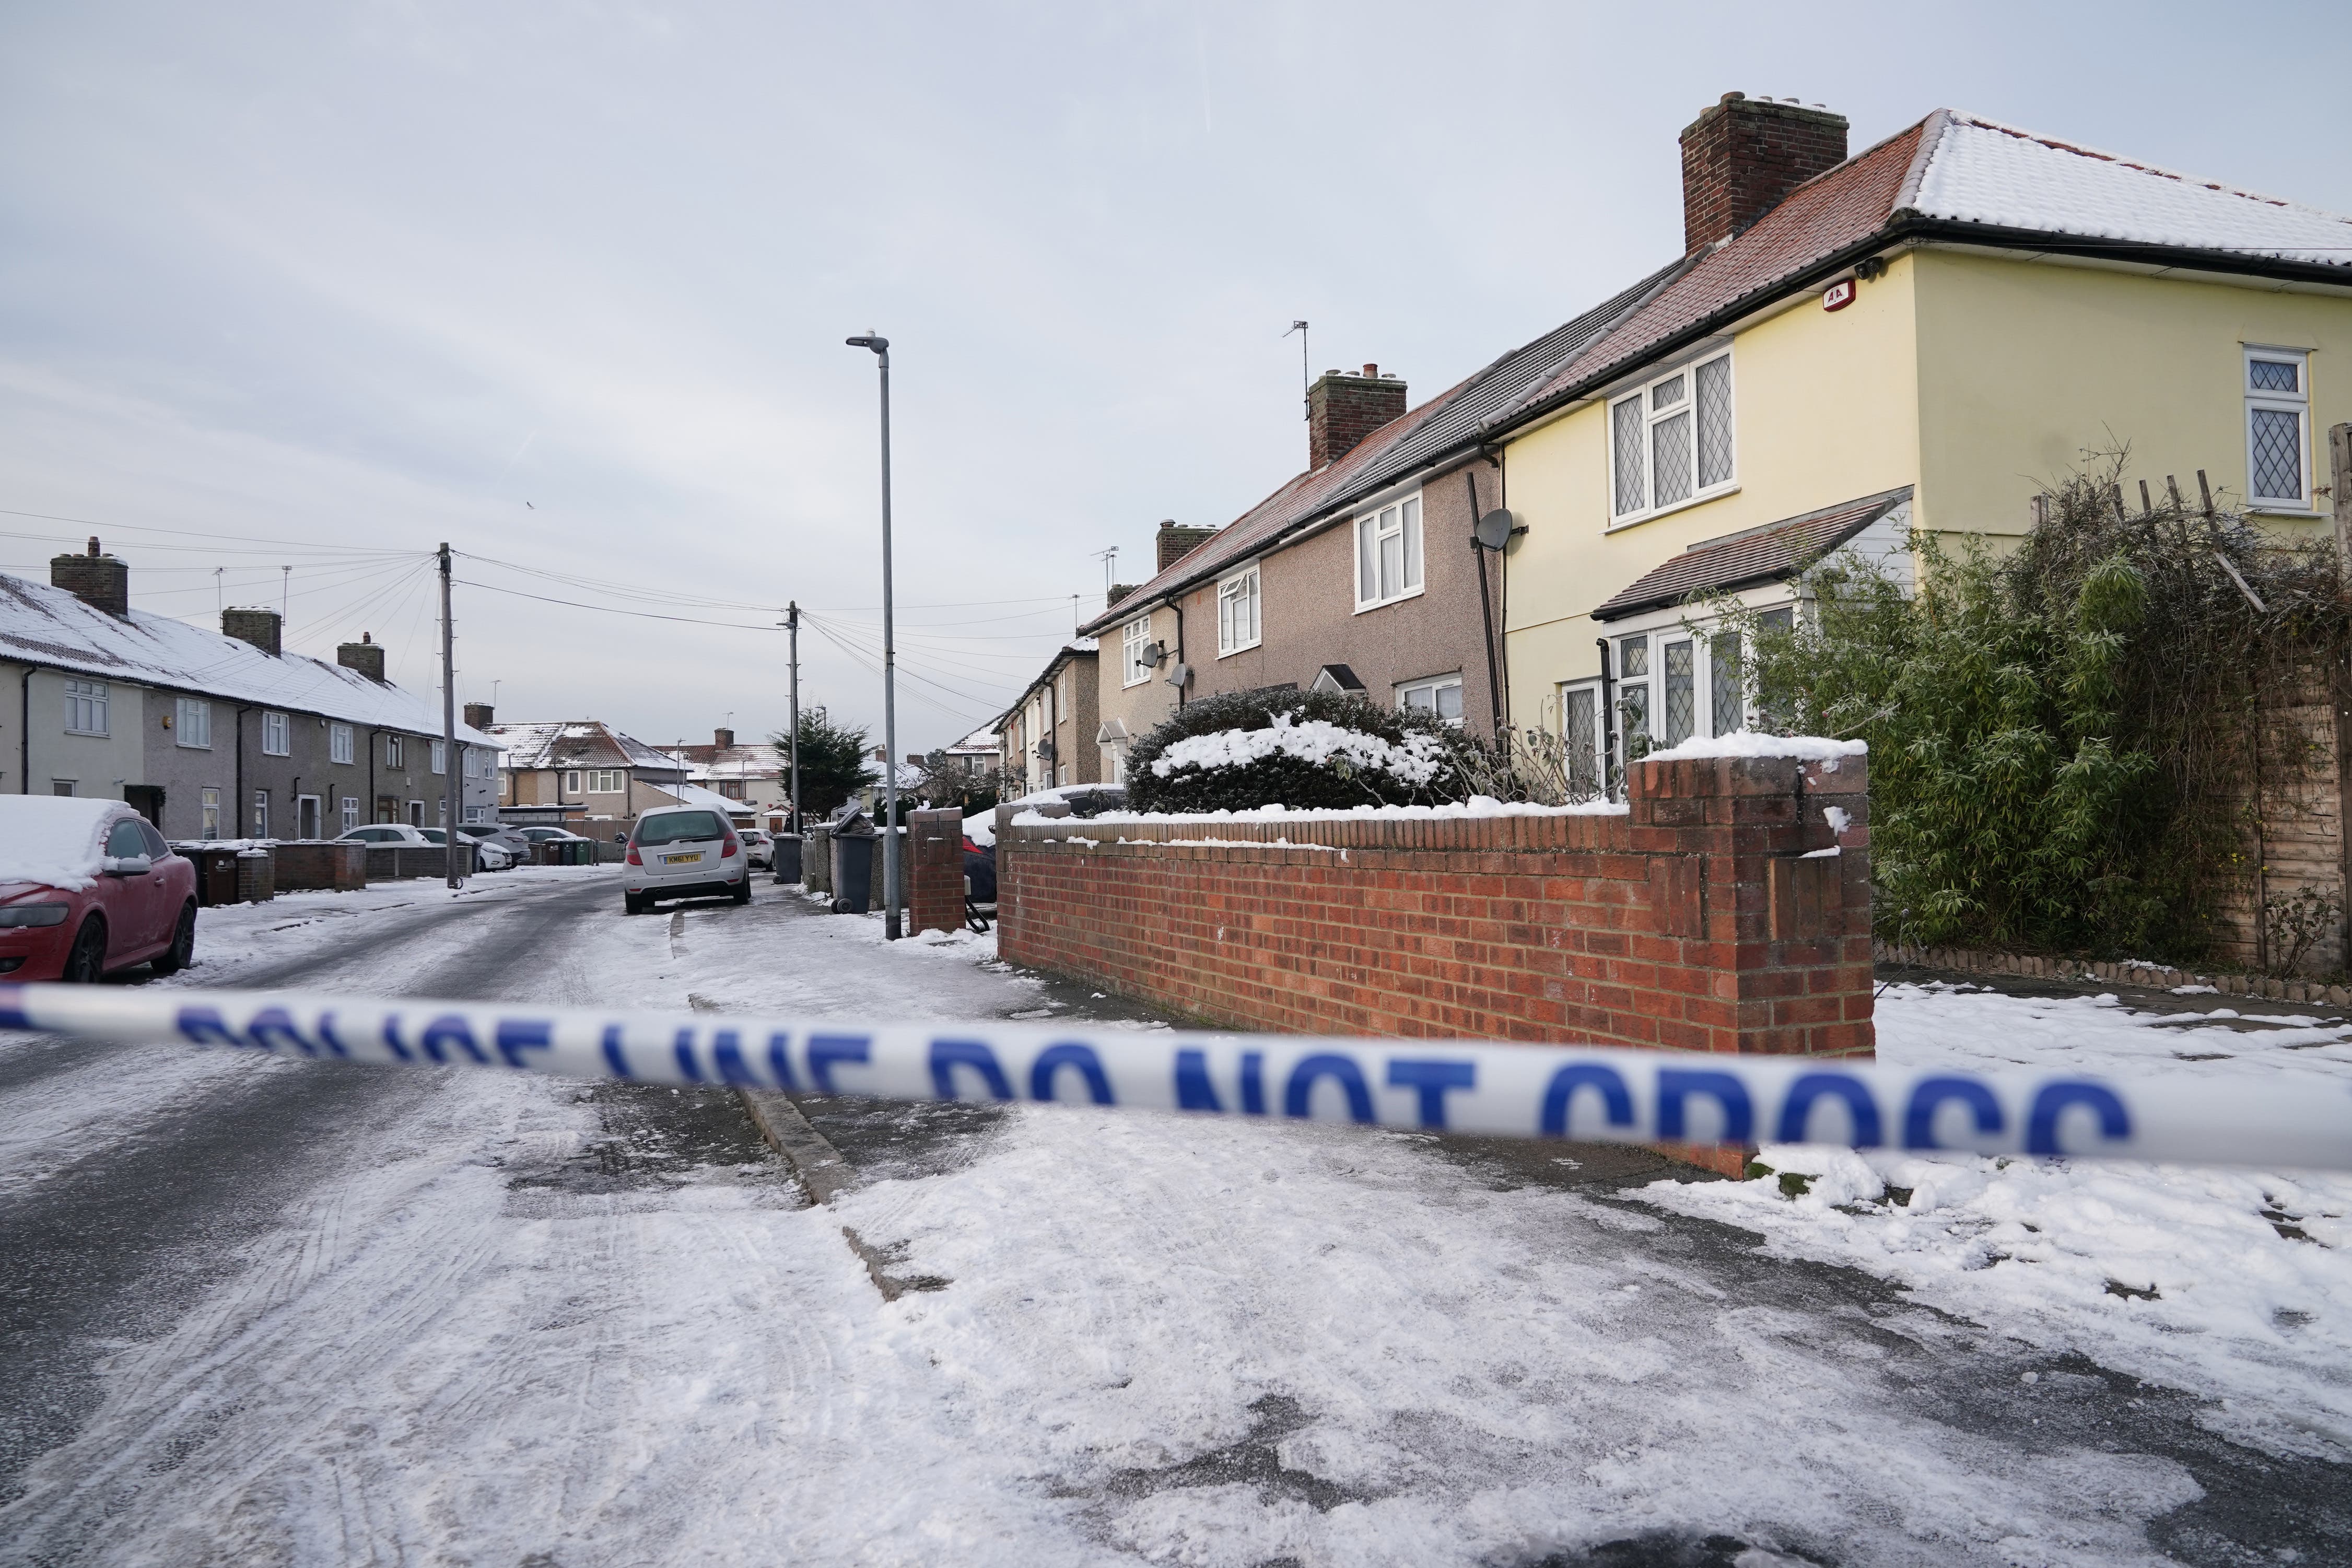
{"points": [[1304, 750]]}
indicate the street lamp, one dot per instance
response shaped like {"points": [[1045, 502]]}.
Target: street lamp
{"points": [[881, 347]]}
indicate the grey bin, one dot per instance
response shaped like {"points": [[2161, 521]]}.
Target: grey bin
{"points": [[853, 864], [787, 858]]}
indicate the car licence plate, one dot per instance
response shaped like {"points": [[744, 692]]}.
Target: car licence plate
{"points": [[681, 860]]}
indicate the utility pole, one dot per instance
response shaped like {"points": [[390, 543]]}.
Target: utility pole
{"points": [[881, 347], [792, 621], [449, 795]]}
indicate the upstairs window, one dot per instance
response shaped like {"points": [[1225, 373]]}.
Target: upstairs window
{"points": [[277, 735], [193, 725], [1237, 606], [1387, 553], [1133, 639], [2278, 427], [393, 751], [606, 780], [440, 756], [1670, 441], [85, 708], [339, 744]]}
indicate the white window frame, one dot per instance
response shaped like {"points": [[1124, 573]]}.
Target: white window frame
{"points": [[1132, 638], [474, 814], [606, 780], [440, 756], [1593, 759], [2297, 403], [1651, 418], [192, 724], [568, 781], [261, 814], [350, 812], [208, 808], [340, 748], [277, 734], [1244, 587], [395, 754], [1398, 519], [85, 707], [1432, 685]]}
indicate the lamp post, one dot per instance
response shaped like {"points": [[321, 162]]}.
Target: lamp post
{"points": [[881, 347]]}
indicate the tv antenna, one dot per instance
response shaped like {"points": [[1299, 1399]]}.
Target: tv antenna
{"points": [[1109, 558]]}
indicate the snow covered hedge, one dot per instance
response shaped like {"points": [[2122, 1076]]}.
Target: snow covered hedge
{"points": [[1296, 748]]}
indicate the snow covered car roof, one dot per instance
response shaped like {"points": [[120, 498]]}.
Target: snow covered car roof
{"points": [[55, 840]]}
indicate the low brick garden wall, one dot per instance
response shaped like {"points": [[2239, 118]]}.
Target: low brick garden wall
{"points": [[1728, 909]]}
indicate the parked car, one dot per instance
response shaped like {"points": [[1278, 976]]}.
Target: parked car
{"points": [[87, 887], [683, 852], [489, 854], [759, 849], [517, 848], [542, 835], [384, 832]]}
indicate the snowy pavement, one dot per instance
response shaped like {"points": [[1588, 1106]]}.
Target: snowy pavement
{"points": [[464, 1318]]}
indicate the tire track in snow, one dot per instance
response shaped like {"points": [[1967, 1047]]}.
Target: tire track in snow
{"points": [[113, 1245]]}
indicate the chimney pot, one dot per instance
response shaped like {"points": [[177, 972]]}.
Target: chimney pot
{"points": [[1742, 155], [93, 546], [1341, 410]]}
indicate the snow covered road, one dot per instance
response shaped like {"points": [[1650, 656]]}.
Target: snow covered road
{"points": [[266, 1312]]}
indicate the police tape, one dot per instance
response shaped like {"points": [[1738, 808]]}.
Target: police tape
{"points": [[1457, 1086]]}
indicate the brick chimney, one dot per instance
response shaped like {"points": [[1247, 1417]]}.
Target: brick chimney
{"points": [[1742, 154], [723, 739], [1175, 543], [366, 655], [259, 627], [96, 579], [478, 716], [1342, 409]]}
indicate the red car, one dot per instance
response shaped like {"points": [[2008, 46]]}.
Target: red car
{"points": [[88, 887]]}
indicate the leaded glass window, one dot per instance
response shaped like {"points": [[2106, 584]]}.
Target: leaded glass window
{"points": [[1673, 440], [2278, 430], [1580, 711], [1679, 717], [1725, 697]]}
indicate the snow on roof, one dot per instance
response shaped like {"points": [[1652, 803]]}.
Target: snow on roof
{"points": [[981, 741], [48, 626], [54, 841], [1980, 171], [694, 795], [573, 743]]}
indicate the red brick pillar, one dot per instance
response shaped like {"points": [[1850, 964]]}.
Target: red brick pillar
{"points": [[1759, 896], [935, 876]]}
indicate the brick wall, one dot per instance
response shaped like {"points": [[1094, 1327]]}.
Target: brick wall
{"points": [[1701, 919], [306, 865], [1342, 409], [935, 872]]}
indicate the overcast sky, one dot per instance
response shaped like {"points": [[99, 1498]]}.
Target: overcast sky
{"points": [[566, 286]]}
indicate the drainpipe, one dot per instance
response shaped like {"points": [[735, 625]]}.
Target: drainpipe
{"points": [[1178, 605], [1608, 710], [236, 741], [24, 733]]}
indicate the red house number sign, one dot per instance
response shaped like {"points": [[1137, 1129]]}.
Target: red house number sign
{"points": [[1838, 295]]}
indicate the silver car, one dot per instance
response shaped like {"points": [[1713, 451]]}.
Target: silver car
{"points": [[683, 852]]}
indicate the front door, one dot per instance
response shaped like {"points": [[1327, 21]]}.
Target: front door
{"points": [[147, 800], [305, 812], [387, 808]]}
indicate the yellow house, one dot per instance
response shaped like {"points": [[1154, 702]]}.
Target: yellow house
{"points": [[1920, 337]]}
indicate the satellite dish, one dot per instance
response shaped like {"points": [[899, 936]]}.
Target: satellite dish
{"points": [[1151, 653], [1494, 530]]}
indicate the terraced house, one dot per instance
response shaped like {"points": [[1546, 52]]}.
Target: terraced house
{"points": [[1922, 336], [214, 735]]}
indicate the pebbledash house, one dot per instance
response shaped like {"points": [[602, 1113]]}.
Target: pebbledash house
{"points": [[214, 735]]}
